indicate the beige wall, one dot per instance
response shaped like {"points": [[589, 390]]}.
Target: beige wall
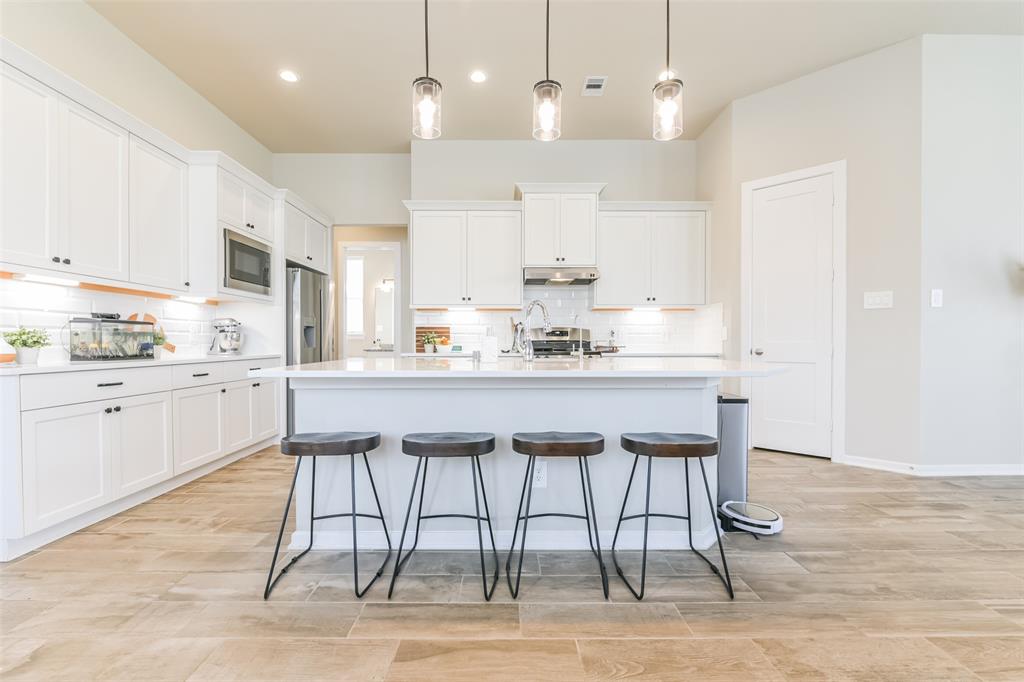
{"points": [[488, 169], [72, 37]]}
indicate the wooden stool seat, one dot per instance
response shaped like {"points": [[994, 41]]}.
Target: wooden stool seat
{"points": [[448, 444], [558, 444], [330, 443], [661, 444]]}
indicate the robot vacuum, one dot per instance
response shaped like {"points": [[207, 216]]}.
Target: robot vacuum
{"points": [[753, 518]]}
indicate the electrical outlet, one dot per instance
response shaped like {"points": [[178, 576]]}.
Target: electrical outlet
{"points": [[540, 474], [876, 300]]}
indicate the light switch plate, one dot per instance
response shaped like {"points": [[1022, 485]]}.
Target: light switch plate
{"points": [[936, 298], [877, 300]]}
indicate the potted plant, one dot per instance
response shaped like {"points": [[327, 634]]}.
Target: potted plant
{"points": [[26, 343], [159, 339], [430, 340]]}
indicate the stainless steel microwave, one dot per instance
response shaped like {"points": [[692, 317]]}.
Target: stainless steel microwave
{"points": [[247, 263]]}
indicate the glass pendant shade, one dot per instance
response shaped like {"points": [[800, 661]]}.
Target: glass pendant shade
{"points": [[426, 108], [668, 109], [547, 110]]}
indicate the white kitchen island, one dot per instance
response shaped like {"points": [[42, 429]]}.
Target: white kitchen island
{"points": [[609, 395]]}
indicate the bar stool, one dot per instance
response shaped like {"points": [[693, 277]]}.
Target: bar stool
{"points": [[339, 443], [426, 446], [685, 446], [556, 444]]}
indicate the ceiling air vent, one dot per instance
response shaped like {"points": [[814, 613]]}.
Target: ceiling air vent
{"points": [[593, 86]]}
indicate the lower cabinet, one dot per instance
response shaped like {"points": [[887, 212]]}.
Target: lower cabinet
{"points": [[144, 454], [266, 409], [238, 415]]}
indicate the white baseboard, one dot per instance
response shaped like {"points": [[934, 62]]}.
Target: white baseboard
{"points": [[537, 540], [14, 548], [932, 470]]}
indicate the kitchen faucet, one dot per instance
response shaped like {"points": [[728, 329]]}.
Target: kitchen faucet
{"points": [[527, 343]]}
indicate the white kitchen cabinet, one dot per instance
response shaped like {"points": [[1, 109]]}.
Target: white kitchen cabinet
{"points": [[244, 207], [198, 426], [577, 226], [158, 198], [142, 445], [541, 240], [66, 462], [238, 415], [306, 240], [318, 244], [559, 228], [494, 269], [265, 409], [651, 258], [259, 213], [28, 171], [438, 258]]}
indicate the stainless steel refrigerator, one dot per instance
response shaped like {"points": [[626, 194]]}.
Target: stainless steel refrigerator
{"points": [[308, 294]]}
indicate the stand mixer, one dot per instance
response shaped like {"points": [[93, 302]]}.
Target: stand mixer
{"points": [[228, 337]]}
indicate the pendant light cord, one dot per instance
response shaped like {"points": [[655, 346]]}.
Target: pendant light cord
{"points": [[547, 41], [668, 35], [426, 37]]}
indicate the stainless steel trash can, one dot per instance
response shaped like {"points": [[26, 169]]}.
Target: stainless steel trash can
{"points": [[733, 422]]}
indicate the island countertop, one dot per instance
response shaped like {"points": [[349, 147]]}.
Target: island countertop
{"points": [[517, 368]]}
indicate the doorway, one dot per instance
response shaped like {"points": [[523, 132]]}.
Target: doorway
{"points": [[793, 267], [369, 303]]}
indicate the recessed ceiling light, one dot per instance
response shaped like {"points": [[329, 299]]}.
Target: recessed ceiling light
{"points": [[666, 75], [478, 76], [288, 76]]}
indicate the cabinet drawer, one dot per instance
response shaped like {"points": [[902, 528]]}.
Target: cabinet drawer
{"points": [[66, 388], [201, 374], [238, 370]]}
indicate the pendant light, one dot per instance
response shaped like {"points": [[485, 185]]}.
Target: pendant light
{"points": [[426, 95], [547, 94], [668, 97]]}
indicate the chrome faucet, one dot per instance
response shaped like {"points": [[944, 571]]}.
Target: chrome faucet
{"points": [[527, 343]]}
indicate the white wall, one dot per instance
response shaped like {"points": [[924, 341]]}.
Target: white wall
{"points": [[972, 350], [74, 38], [354, 189], [489, 169]]}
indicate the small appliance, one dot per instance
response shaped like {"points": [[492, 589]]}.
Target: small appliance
{"points": [[104, 336], [560, 342], [227, 339], [247, 263]]}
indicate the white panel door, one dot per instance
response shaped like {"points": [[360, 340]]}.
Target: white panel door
{"points": [[295, 234], [198, 426], [677, 258], [317, 245], [94, 200], [158, 196], [238, 415], [438, 258], [28, 171], [624, 261], [791, 289], [578, 229], [142, 454], [259, 214], [265, 409], [230, 200], [65, 461], [494, 258], [540, 229]]}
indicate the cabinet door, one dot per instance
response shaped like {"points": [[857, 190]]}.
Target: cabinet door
{"points": [[494, 263], [677, 260], [438, 258], [259, 213], [540, 229], [317, 244], [295, 235], [198, 426], [624, 262], [28, 171], [266, 409], [230, 200], [158, 196], [238, 415], [65, 462], [94, 200], [578, 229], [142, 453]]}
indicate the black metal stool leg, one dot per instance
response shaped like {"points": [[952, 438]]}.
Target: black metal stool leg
{"points": [[647, 518], [515, 529], [355, 548], [480, 533], [714, 525], [528, 489], [408, 513], [622, 512], [597, 537], [271, 581]]}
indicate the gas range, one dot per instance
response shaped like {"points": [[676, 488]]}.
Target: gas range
{"points": [[560, 342]]}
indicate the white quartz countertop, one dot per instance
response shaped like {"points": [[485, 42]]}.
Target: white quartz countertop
{"points": [[13, 370], [620, 354], [606, 367]]}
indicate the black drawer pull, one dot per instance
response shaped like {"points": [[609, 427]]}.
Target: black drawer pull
{"points": [[108, 410], [223, 390], [117, 409], [255, 385], [112, 383], [253, 369], [202, 374]]}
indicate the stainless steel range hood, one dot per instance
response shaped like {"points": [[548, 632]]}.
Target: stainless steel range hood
{"points": [[566, 275]]}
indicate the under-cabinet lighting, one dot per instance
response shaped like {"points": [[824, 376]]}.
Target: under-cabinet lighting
{"points": [[462, 309], [646, 310], [46, 279], [192, 299]]}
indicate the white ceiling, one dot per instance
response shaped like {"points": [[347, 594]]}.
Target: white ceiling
{"points": [[357, 58]]}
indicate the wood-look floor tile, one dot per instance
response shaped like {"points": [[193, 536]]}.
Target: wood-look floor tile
{"points": [[492, 660], [545, 589], [209, 562], [678, 659], [83, 561], [410, 588], [682, 588], [927, 618], [875, 586], [990, 658], [760, 619], [170, 524], [862, 658], [741, 562], [437, 621], [860, 561], [95, 586], [580, 621], [335, 562], [993, 539], [584, 563], [194, 542], [1008, 608], [14, 613], [297, 659], [433, 562], [79, 618], [273, 619], [226, 586]]}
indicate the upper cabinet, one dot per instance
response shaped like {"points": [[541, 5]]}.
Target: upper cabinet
{"points": [[651, 258], [307, 241], [559, 224], [158, 198], [466, 257], [244, 207]]}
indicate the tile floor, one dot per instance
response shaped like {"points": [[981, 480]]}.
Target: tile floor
{"points": [[877, 576]]}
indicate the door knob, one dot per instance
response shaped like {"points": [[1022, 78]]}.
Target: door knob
{"points": [[758, 351]]}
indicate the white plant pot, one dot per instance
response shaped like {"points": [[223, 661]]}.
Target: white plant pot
{"points": [[27, 356], [429, 348]]}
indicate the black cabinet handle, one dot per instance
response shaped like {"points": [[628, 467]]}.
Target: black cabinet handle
{"points": [[188, 284], [223, 390], [202, 374], [117, 409], [112, 383], [108, 410], [253, 369], [56, 259], [255, 385], [66, 261]]}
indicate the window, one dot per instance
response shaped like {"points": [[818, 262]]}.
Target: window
{"points": [[354, 296]]}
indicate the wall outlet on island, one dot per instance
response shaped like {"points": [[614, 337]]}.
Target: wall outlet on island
{"points": [[540, 474]]}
